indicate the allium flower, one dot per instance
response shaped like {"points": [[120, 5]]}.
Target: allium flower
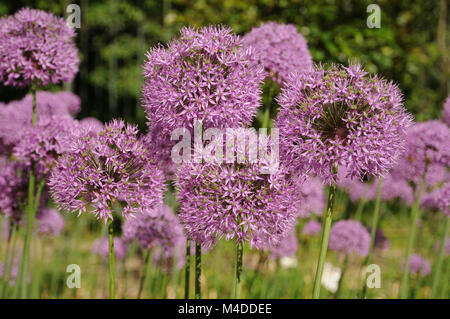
{"points": [[109, 168], [36, 46], [16, 115], [391, 189], [341, 116], [91, 125], [158, 228], [427, 142], [13, 188], [446, 113], [311, 228], [235, 201], [418, 265], [349, 236], [312, 198], [280, 49], [443, 200], [203, 75], [44, 143], [381, 240], [51, 222], [287, 247], [101, 247]]}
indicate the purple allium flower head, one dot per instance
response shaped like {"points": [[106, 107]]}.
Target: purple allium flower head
{"points": [[13, 188], [311, 228], [427, 142], [51, 222], [280, 49], [203, 75], [446, 112], [235, 201], [418, 265], [381, 241], [101, 247], [158, 228], [44, 143], [341, 116], [287, 247], [313, 198], [15, 117], [36, 46], [443, 199], [349, 236], [391, 189], [110, 167], [91, 125]]}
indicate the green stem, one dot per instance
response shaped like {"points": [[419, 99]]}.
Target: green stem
{"points": [[412, 232], [144, 274], [440, 259], [237, 278], [360, 208], [326, 226], [187, 269], [6, 261], [198, 270], [376, 215], [112, 273]]}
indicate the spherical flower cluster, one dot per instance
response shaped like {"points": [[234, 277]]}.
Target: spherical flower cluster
{"points": [[44, 143], [109, 168], [16, 115], [418, 265], [280, 49], [91, 125], [203, 75], [446, 114], [428, 143], [101, 247], [380, 240], [287, 247], [443, 200], [341, 116], [36, 46], [311, 228], [13, 188], [158, 228], [349, 236], [312, 198], [391, 188], [235, 200], [51, 222]]}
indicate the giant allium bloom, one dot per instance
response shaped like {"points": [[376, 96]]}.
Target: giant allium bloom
{"points": [[203, 75], [349, 236], [392, 188], [234, 200], [341, 116], [312, 198], [44, 143], [446, 112], [13, 188], [443, 200], [111, 167], [158, 228], [311, 228], [51, 222], [428, 143], [418, 265], [280, 49], [380, 241], [16, 115], [36, 46], [101, 247], [287, 247]]}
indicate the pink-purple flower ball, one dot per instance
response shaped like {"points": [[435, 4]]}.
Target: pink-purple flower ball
{"points": [[111, 167], [280, 49], [235, 201], [312, 198], [287, 247], [36, 46], [341, 116], [418, 265], [311, 228], [101, 247], [349, 236], [51, 222]]}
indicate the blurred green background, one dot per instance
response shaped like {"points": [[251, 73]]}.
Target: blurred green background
{"points": [[411, 47]]}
